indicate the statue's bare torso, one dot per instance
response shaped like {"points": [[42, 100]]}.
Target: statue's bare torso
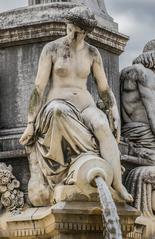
{"points": [[133, 110], [138, 94], [70, 72]]}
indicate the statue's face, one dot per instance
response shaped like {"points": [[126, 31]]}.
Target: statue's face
{"points": [[75, 32]]}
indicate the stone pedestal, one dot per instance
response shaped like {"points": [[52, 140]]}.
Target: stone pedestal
{"points": [[67, 220]]}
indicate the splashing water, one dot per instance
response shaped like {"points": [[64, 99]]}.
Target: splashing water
{"points": [[110, 215]]}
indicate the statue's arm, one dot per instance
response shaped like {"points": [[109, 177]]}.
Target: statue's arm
{"points": [[146, 86], [105, 92], [43, 74]]}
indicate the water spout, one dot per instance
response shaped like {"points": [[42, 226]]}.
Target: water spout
{"points": [[110, 216], [89, 172]]}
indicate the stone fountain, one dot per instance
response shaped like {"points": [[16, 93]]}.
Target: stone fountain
{"points": [[73, 210]]}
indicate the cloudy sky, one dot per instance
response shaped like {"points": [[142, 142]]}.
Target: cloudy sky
{"points": [[136, 19]]}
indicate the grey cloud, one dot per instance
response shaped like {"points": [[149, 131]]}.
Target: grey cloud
{"points": [[138, 23], [138, 7], [11, 4]]}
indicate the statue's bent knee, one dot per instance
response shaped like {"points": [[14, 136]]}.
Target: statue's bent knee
{"points": [[58, 108], [58, 111]]}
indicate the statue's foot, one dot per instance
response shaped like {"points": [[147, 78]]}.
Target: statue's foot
{"points": [[125, 195]]}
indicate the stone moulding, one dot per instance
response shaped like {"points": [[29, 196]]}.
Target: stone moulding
{"points": [[46, 23], [65, 218], [111, 40], [13, 154], [33, 223], [9, 144]]}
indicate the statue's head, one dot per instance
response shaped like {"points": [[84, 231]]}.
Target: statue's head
{"points": [[81, 19], [150, 46], [147, 58]]}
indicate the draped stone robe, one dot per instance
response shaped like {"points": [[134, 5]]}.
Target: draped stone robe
{"points": [[60, 136]]}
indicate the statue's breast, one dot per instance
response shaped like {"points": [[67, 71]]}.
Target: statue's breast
{"points": [[72, 66], [62, 67]]}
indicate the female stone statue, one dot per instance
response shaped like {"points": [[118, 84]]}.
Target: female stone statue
{"points": [[69, 114]]}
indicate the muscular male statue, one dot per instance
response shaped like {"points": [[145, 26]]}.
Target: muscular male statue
{"points": [[138, 103], [138, 111], [70, 112]]}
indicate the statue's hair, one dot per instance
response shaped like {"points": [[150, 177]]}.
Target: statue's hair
{"points": [[82, 17], [147, 58], [150, 46]]}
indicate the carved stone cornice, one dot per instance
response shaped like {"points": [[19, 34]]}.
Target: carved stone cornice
{"points": [[111, 40], [46, 24], [67, 217]]}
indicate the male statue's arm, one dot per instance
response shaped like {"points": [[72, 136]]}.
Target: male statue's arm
{"points": [[146, 85], [106, 93], [35, 103]]}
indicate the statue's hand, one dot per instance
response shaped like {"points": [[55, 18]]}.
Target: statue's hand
{"points": [[27, 135]]}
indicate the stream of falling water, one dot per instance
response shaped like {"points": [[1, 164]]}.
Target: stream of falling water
{"points": [[110, 215]]}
